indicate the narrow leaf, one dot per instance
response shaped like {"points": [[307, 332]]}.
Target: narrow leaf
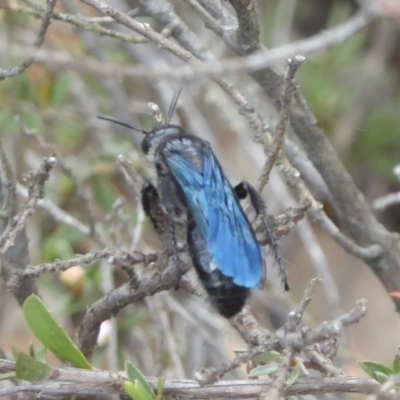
{"points": [[142, 392], [372, 367], [267, 357], [264, 370], [135, 375], [380, 377], [396, 365], [29, 368], [129, 388], [47, 330], [160, 387], [40, 352], [137, 391], [294, 374]]}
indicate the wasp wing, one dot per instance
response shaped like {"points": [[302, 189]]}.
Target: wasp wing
{"points": [[220, 219]]}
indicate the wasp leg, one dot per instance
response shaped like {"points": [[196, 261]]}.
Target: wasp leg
{"points": [[151, 204], [171, 215], [244, 189]]}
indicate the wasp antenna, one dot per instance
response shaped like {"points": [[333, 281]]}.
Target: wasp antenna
{"points": [[172, 106], [125, 124]]}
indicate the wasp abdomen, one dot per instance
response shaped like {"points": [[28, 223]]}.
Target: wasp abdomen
{"points": [[226, 296]]}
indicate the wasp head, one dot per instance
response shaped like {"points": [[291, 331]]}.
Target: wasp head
{"points": [[155, 138]]}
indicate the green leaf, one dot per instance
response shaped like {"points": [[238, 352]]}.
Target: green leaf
{"points": [[294, 373], [264, 370], [372, 367], [380, 376], [41, 352], [239, 352], [396, 365], [7, 375], [129, 388], [47, 330], [160, 387], [267, 357], [142, 392], [137, 391], [29, 368], [135, 375]]}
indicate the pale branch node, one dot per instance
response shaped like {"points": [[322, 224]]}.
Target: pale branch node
{"points": [[157, 114], [391, 199], [396, 171], [295, 317], [289, 90], [74, 381], [386, 201]]}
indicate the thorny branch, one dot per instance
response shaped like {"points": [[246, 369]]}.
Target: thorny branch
{"points": [[16, 257], [69, 381], [36, 192], [118, 257], [292, 338], [277, 143]]}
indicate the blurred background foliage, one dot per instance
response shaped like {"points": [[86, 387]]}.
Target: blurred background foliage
{"points": [[353, 89]]}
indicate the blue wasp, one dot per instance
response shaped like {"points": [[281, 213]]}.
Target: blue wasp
{"points": [[221, 241]]}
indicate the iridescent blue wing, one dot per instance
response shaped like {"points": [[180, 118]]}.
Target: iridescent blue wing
{"points": [[220, 219]]}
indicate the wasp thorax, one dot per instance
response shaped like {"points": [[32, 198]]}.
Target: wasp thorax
{"points": [[157, 137]]}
